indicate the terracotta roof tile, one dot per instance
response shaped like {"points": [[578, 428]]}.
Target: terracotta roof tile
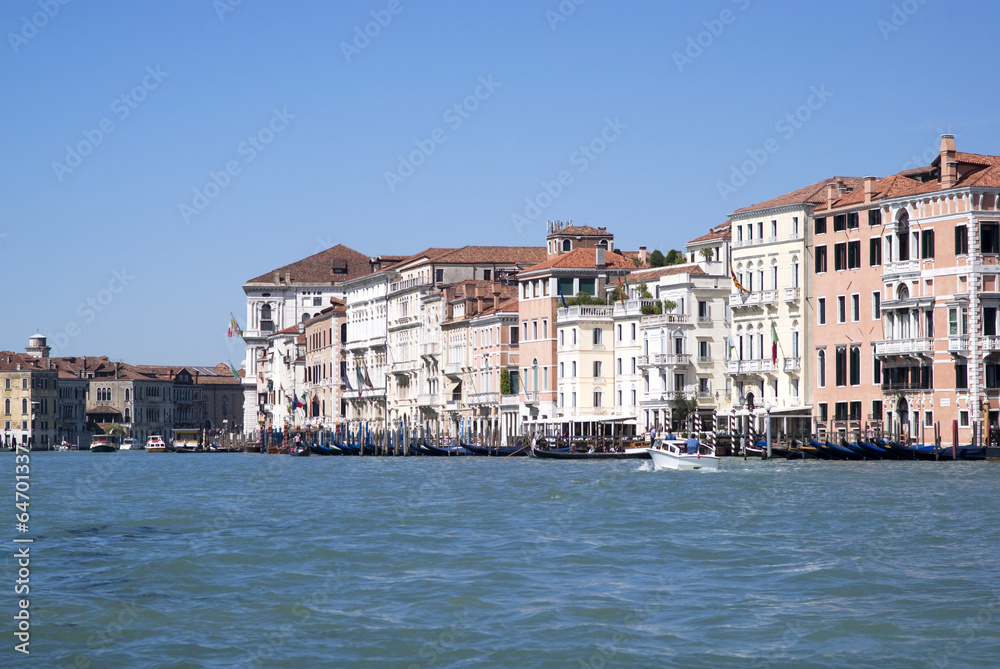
{"points": [[813, 193], [319, 268], [657, 272], [582, 231], [585, 259], [722, 231]]}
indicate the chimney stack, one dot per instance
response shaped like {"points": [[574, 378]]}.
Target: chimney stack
{"points": [[277, 278], [600, 259], [643, 256], [288, 278], [948, 166], [496, 296], [869, 188], [831, 194]]}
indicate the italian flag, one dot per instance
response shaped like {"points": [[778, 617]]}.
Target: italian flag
{"points": [[774, 344]]}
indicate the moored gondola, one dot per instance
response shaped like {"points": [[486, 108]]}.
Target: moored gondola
{"points": [[585, 455]]}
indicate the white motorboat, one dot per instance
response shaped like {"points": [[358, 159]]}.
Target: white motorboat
{"points": [[104, 443], [155, 444], [128, 444], [673, 455]]}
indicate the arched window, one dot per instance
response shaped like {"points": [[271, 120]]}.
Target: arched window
{"points": [[902, 293], [821, 368], [567, 245], [24, 405], [6, 407], [598, 398], [305, 317], [343, 332], [128, 415], [127, 394], [266, 323]]}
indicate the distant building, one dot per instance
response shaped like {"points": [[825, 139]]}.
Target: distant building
{"points": [[28, 392], [325, 367]]}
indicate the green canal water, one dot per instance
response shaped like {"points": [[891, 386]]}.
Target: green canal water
{"points": [[238, 560]]}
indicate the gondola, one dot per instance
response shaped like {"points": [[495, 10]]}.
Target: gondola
{"points": [[502, 451], [875, 451], [348, 449], [319, 449], [444, 451], [579, 455], [299, 451]]}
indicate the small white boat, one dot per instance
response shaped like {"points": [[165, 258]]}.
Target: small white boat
{"points": [[104, 443], [674, 455], [155, 444], [128, 444]]}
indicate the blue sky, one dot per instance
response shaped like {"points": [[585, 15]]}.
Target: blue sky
{"points": [[133, 251]]}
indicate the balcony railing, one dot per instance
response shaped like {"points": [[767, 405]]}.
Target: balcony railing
{"points": [[365, 393], [958, 344], [631, 306], [407, 283], [704, 394], [904, 346], [762, 366], [902, 267], [405, 367], [454, 368], [703, 359], [428, 399], [663, 319], [584, 311], [768, 296], [510, 400], [481, 399], [792, 294], [660, 359], [430, 349], [991, 343], [902, 386], [704, 319], [453, 405], [531, 397], [792, 364], [598, 347]]}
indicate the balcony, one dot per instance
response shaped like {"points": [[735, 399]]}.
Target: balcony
{"points": [[958, 345], [365, 393], [406, 284], [582, 311], [405, 367], [598, 347], [531, 398], [664, 319], [643, 361], [371, 342], [430, 349], [704, 359], [792, 364], [704, 394], [453, 405], [901, 267], [768, 297], [990, 344], [428, 399], [510, 400], [662, 359], [631, 307], [704, 319], [914, 346], [454, 368], [740, 299], [744, 367], [903, 387], [792, 294], [484, 399]]}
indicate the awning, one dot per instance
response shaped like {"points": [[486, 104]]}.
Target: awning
{"points": [[586, 419], [450, 386]]}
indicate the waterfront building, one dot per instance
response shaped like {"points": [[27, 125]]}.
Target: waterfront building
{"points": [[290, 295], [922, 357], [28, 392], [773, 311], [280, 380], [395, 330], [325, 367], [682, 334], [584, 369], [494, 339], [208, 398], [580, 259]]}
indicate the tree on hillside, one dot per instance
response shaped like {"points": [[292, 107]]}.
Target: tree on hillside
{"points": [[656, 258]]}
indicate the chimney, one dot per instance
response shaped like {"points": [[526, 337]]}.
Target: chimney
{"points": [[600, 260], [496, 296], [869, 189], [277, 278], [288, 278], [948, 166], [831, 194], [643, 256]]}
